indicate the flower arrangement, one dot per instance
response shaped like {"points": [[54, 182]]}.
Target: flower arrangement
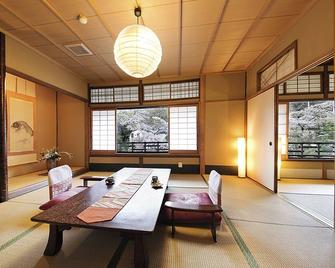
{"points": [[53, 154]]}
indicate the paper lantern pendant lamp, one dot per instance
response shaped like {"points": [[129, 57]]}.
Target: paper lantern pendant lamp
{"points": [[137, 50]]}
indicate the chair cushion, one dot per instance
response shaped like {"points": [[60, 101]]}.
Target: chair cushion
{"points": [[61, 197], [187, 217]]}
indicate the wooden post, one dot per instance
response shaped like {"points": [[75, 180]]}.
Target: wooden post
{"points": [[3, 125], [202, 117]]}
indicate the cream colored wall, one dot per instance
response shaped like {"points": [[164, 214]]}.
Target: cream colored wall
{"points": [[45, 129], [225, 117], [314, 32], [72, 129], [25, 60]]}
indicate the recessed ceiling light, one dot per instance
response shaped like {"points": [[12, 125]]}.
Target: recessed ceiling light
{"points": [[82, 19]]}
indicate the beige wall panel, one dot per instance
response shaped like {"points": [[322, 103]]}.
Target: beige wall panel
{"points": [[260, 155], [10, 82], [114, 160], [27, 61], [301, 164], [45, 129], [229, 86], [30, 88], [20, 86], [72, 129], [224, 124], [172, 160], [315, 27]]}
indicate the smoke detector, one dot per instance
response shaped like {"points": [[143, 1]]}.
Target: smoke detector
{"points": [[79, 49], [82, 19]]}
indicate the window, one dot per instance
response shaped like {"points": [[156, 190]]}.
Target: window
{"points": [[279, 67], [307, 83], [183, 128], [282, 128], [103, 130], [114, 94], [331, 82], [142, 130], [174, 90], [311, 130]]}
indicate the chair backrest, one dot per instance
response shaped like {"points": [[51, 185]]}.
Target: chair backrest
{"points": [[60, 180], [215, 187]]}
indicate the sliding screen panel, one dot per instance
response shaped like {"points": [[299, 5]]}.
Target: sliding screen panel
{"points": [[261, 139]]}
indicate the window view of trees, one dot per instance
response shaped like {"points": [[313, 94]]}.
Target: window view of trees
{"points": [[142, 130], [311, 129]]}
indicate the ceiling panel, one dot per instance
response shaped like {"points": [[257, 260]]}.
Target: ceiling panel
{"points": [[198, 34], [256, 43], [168, 37], [52, 51], [220, 59], [70, 10], [68, 62], [8, 21], [200, 12], [287, 7], [194, 50], [30, 37], [241, 60], [191, 65], [215, 68], [270, 26], [159, 17], [112, 6], [170, 60], [242, 10], [102, 45], [92, 30], [91, 61], [33, 11], [117, 21], [225, 46], [233, 30], [58, 33]]}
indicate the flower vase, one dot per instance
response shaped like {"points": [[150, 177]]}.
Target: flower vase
{"points": [[51, 163]]}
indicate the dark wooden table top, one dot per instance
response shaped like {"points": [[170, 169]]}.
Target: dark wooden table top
{"points": [[138, 215]]}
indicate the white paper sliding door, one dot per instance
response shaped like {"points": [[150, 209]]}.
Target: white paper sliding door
{"points": [[261, 139]]}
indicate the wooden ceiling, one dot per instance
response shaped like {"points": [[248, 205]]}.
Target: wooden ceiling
{"points": [[197, 36]]}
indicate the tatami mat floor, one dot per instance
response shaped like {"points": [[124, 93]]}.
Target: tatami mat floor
{"points": [[260, 230]]}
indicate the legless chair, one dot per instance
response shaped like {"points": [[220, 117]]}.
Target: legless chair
{"points": [[60, 186], [196, 208]]}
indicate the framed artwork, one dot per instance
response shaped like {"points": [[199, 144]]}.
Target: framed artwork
{"points": [[21, 122]]}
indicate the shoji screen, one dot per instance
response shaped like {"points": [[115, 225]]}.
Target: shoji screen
{"points": [[261, 124]]}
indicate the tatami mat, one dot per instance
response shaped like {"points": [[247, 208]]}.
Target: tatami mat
{"points": [[263, 228], [303, 186]]}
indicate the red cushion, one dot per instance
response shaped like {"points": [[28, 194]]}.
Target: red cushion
{"points": [[186, 217], [61, 197]]}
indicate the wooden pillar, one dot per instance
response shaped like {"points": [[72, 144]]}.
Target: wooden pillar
{"points": [[202, 127], [3, 125]]}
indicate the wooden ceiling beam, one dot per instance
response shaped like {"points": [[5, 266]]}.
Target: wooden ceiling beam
{"points": [[180, 37], [213, 37], [259, 16], [58, 15], [63, 49]]}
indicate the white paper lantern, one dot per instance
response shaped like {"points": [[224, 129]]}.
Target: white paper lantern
{"points": [[137, 51]]}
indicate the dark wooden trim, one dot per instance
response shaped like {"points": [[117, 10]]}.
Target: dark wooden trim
{"points": [[275, 182], [222, 169], [186, 169], [37, 81], [202, 125], [3, 123], [157, 155]]}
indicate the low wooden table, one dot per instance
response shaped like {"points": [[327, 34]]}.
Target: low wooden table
{"points": [[137, 218], [86, 179]]}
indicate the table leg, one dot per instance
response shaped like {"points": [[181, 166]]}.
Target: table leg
{"points": [[172, 223], [55, 240], [118, 253], [85, 183], [140, 258], [213, 227]]}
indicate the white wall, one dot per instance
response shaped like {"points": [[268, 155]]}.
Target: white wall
{"points": [[260, 155]]}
